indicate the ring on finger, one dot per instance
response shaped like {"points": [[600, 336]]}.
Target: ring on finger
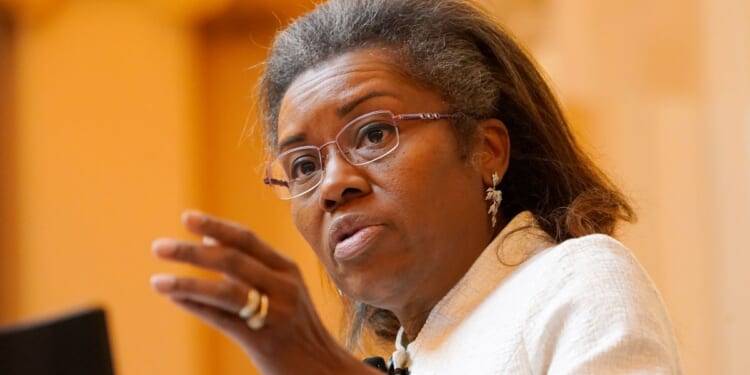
{"points": [[251, 306], [258, 320]]}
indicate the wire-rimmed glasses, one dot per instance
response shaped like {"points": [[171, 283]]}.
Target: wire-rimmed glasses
{"points": [[364, 140]]}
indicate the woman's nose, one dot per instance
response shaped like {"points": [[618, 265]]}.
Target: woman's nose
{"points": [[342, 181]]}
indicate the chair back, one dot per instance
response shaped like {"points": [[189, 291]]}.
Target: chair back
{"points": [[74, 344]]}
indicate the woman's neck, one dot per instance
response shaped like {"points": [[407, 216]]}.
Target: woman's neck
{"points": [[415, 313]]}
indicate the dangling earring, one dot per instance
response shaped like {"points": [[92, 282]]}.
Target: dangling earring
{"points": [[495, 196]]}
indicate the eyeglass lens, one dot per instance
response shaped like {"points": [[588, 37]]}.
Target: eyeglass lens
{"points": [[364, 140]]}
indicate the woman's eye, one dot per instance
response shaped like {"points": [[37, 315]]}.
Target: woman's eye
{"points": [[375, 134], [303, 167]]}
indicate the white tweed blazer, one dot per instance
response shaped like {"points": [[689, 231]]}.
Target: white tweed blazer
{"points": [[584, 306]]}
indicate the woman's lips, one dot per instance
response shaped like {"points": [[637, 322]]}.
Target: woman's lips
{"points": [[356, 244]]}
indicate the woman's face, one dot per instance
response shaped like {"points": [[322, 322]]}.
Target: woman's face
{"points": [[392, 231]]}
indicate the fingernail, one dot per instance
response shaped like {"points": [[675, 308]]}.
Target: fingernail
{"points": [[210, 241], [163, 246], [194, 216], [163, 283]]}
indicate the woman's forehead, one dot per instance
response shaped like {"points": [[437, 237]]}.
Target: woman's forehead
{"points": [[336, 87]]}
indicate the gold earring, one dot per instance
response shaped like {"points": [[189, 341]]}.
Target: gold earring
{"points": [[495, 196]]}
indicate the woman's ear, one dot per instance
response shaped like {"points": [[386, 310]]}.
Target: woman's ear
{"points": [[492, 150]]}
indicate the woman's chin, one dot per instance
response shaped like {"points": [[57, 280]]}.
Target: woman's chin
{"points": [[374, 289]]}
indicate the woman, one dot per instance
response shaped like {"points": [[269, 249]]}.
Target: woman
{"points": [[431, 170]]}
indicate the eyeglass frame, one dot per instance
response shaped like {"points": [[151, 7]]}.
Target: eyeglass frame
{"points": [[404, 116]]}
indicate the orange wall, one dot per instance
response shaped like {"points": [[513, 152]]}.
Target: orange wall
{"points": [[125, 112], [121, 124], [104, 164], [9, 256]]}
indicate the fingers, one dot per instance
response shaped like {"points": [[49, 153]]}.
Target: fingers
{"points": [[233, 235], [210, 241], [217, 302], [223, 294], [245, 262], [226, 260]]}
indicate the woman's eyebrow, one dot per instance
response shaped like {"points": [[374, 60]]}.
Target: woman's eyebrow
{"points": [[290, 140], [349, 106], [341, 111]]}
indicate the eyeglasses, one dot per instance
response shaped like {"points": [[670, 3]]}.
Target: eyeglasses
{"points": [[366, 139]]}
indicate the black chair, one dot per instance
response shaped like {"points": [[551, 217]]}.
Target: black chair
{"points": [[75, 344]]}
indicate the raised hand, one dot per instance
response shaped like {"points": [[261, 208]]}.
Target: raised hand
{"points": [[289, 338]]}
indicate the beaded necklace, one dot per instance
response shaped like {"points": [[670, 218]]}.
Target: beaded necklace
{"points": [[399, 363]]}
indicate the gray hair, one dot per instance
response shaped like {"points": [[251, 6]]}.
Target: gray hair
{"points": [[434, 50], [455, 49]]}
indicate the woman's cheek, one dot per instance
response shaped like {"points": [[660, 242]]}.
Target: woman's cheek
{"points": [[308, 226]]}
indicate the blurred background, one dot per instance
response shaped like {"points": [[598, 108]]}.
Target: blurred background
{"points": [[115, 115]]}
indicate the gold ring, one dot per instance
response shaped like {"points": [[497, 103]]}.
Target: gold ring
{"points": [[258, 320], [251, 306]]}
